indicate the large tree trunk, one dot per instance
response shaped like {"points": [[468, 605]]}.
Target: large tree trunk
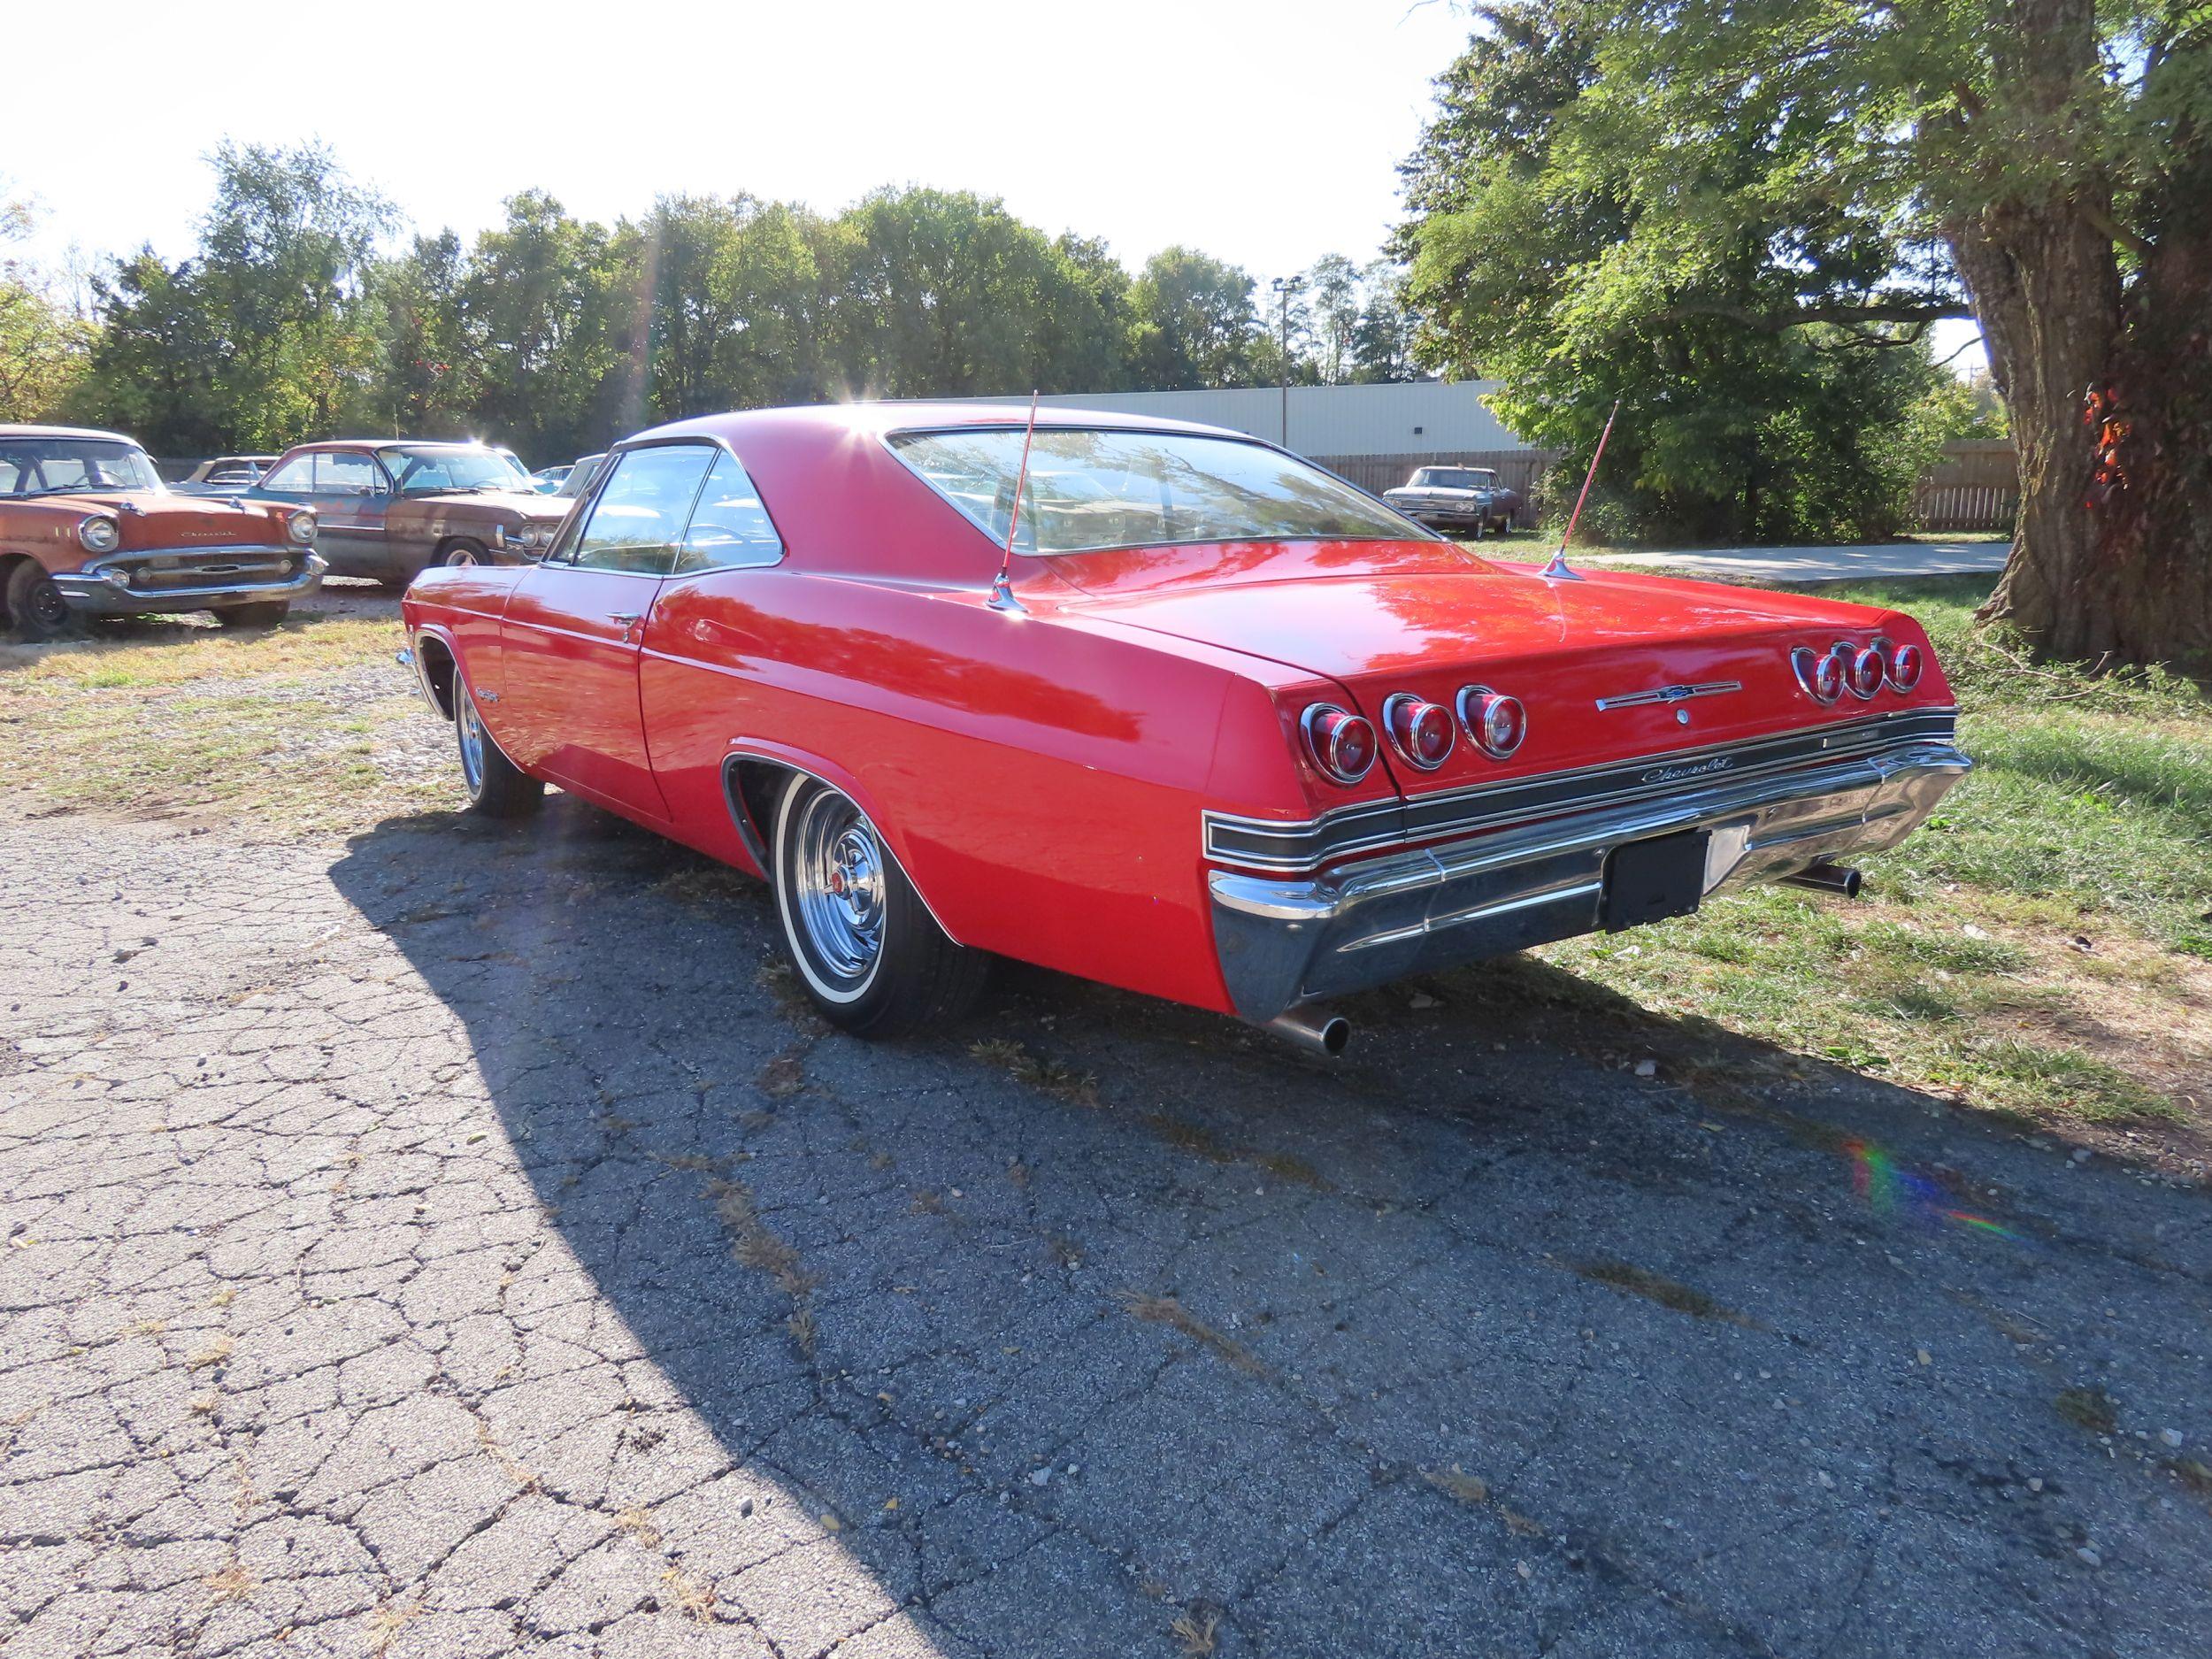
{"points": [[2107, 388]]}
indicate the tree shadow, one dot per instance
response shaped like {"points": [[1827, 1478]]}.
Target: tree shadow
{"points": [[1097, 1311]]}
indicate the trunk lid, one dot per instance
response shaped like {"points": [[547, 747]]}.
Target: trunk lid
{"points": [[1382, 619]]}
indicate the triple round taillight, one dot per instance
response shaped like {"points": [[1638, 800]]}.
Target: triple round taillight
{"points": [[1420, 731], [1862, 670], [1344, 745]]}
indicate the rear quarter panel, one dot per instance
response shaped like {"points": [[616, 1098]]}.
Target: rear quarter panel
{"points": [[1041, 783]]}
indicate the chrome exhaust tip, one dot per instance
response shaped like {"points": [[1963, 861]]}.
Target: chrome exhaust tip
{"points": [[1314, 1029], [1827, 878]]}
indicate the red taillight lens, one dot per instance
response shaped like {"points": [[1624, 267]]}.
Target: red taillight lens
{"points": [[1905, 665], [1421, 730], [1869, 669], [1819, 672], [1342, 744], [1495, 723]]}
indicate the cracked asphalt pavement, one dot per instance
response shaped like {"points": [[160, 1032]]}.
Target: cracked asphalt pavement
{"points": [[459, 1240]]}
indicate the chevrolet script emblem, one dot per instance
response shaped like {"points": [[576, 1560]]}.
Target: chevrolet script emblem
{"points": [[1670, 693]]}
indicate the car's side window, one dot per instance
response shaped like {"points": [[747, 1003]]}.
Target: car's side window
{"points": [[730, 529], [639, 516], [295, 477], [346, 472]]}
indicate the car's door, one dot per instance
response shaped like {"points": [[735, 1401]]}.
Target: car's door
{"points": [[350, 494], [575, 625]]}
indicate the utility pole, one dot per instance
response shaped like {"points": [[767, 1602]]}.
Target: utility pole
{"points": [[1285, 287]]}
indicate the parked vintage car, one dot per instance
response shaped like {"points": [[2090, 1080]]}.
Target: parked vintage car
{"points": [[578, 477], [390, 506], [225, 475], [1210, 725], [547, 479], [88, 528], [1457, 498]]}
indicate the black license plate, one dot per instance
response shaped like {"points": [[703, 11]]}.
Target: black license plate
{"points": [[1649, 881]]}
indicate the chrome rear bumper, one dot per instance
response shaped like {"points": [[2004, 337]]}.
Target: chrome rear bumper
{"points": [[1361, 924]]}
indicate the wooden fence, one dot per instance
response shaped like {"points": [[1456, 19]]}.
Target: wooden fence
{"points": [[1976, 485]]}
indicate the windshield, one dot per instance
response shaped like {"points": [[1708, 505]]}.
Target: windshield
{"points": [[42, 466], [1095, 489], [1454, 478], [416, 471]]}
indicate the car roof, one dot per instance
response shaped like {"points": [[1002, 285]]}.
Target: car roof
{"points": [[876, 418], [388, 444], [25, 431]]}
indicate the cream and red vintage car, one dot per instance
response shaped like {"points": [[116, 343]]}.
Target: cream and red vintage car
{"points": [[88, 528], [1195, 718], [390, 507]]}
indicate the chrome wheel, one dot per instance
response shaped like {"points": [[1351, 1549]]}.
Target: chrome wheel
{"points": [[463, 555], [838, 892], [471, 732]]}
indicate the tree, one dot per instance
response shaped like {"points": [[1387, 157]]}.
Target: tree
{"points": [[1194, 324], [263, 338], [550, 312], [42, 346], [1554, 249], [945, 294], [426, 384], [1333, 315], [2044, 165], [1382, 340]]}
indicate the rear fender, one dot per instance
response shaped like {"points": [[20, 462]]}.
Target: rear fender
{"points": [[751, 786]]}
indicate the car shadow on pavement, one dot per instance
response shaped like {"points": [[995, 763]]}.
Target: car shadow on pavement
{"points": [[1100, 1326]]}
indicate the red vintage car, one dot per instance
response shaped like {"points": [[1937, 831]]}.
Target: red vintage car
{"points": [[1200, 720], [88, 528]]}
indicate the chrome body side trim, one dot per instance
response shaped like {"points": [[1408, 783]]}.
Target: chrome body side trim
{"points": [[1303, 845], [1283, 941]]}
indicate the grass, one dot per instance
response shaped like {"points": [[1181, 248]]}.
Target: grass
{"points": [[2039, 946], [306, 727]]}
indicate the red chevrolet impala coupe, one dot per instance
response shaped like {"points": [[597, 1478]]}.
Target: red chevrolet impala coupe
{"points": [[1198, 720]]}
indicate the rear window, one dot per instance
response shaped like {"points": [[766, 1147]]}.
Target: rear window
{"points": [[1093, 489]]}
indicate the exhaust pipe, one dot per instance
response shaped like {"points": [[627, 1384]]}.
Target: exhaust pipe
{"points": [[1314, 1029], [1827, 878]]}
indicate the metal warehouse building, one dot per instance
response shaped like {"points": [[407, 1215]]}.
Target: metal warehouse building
{"points": [[1373, 435]]}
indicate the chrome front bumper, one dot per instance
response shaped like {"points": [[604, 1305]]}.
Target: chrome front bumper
{"points": [[131, 584], [1361, 924]]}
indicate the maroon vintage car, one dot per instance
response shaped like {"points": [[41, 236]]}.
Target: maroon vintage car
{"points": [[88, 528], [390, 507]]}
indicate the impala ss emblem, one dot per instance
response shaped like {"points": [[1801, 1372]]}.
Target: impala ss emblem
{"points": [[1670, 693], [1674, 774]]}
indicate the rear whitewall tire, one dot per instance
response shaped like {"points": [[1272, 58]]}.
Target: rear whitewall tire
{"points": [[869, 953]]}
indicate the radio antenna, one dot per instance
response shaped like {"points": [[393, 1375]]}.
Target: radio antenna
{"points": [[1001, 589], [1557, 570]]}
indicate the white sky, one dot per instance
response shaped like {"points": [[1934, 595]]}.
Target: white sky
{"points": [[1266, 132]]}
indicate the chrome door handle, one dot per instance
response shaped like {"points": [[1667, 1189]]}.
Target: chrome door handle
{"points": [[628, 618]]}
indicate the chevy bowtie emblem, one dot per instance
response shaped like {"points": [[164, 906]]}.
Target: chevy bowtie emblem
{"points": [[1670, 693]]}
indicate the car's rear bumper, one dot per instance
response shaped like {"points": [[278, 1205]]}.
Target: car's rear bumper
{"points": [[1285, 941], [200, 579]]}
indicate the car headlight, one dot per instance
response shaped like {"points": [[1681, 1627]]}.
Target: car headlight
{"points": [[301, 527], [99, 535]]}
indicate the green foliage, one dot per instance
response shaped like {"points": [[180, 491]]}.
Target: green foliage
{"points": [[1583, 237], [558, 335]]}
